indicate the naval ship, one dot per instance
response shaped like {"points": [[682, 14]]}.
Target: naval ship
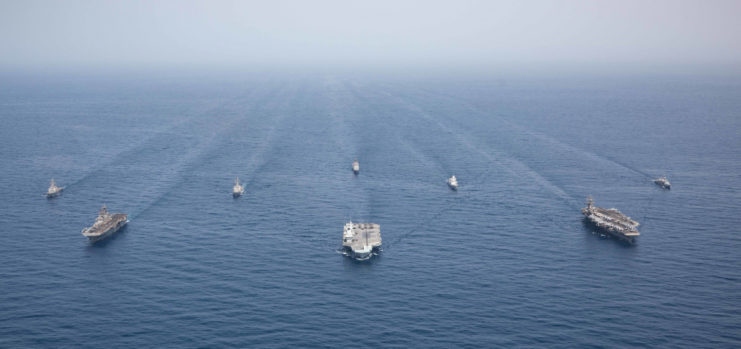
{"points": [[53, 190], [238, 188], [359, 240], [611, 221], [663, 182], [453, 183], [356, 166], [105, 225]]}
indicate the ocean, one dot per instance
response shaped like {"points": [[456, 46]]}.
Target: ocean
{"points": [[506, 261]]}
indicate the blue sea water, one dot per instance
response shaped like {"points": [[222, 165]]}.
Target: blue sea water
{"points": [[506, 261]]}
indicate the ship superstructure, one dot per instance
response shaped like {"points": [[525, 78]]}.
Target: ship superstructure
{"points": [[105, 225], [356, 166], [237, 189], [663, 182], [453, 182], [54, 190], [361, 239], [611, 221]]}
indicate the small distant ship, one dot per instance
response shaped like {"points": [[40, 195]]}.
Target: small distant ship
{"points": [[359, 240], [663, 182], [105, 225], [453, 183], [238, 188], [611, 221], [356, 166], [53, 190]]}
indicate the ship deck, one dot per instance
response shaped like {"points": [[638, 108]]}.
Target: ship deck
{"points": [[104, 228], [616, 216], [364, 234]]}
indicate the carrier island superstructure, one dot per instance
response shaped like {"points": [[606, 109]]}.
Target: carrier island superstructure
{"points": [[105, 225], [359, 240], [611, 221]]}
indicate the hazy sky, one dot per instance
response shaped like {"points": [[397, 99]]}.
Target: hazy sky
{"points": [[402, 34]]}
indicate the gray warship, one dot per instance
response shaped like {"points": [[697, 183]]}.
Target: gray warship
{"points": [[105, 225], [453, 183], [663, 182], [53, 190], [611, 221], [237, 189], [359, 240]]}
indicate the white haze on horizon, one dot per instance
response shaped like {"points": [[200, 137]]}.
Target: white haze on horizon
{"points": [[329, 34]]}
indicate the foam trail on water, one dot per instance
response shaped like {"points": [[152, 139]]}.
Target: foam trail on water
{"points": [[145, 143], [547, 139], [206, 147], [511, 165], [430, 165]]}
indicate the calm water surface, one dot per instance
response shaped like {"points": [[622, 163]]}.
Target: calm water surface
{"points": [[505, 261]]}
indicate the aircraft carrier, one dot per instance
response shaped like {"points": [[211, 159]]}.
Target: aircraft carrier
{"points": [[105, 225], [611, 221], [359, 240]]}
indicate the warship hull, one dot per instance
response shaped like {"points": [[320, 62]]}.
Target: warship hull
{"points": [[663, 185], [117, 222], [237, 189], [361, 240], [360, 255], [611, 221], [452, 183], [53, 195], [610, 231], [54, 190]]}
